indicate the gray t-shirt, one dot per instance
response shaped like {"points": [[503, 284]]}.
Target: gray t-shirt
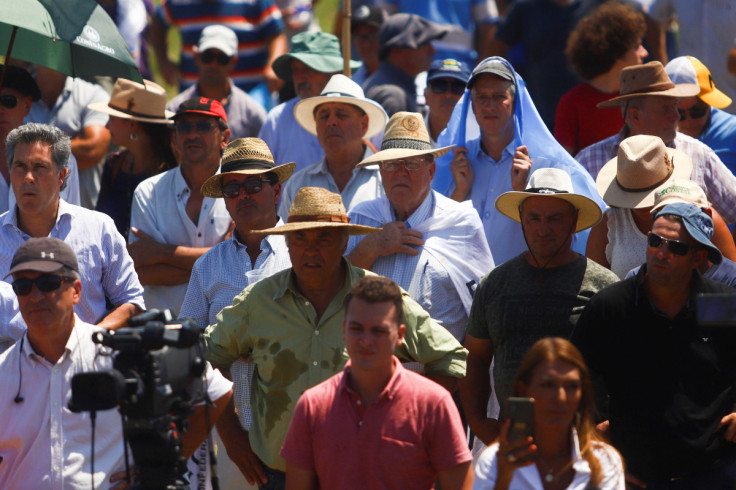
{"points": [[517, 304]]}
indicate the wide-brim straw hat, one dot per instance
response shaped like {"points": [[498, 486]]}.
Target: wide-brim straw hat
{"points": [[340, 89], [137, 102], [643, 166], [551, 182], [648, 79], [316, 207], [246, 156], [406, 136]]}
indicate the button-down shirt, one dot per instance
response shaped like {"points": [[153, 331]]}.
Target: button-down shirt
{"points": [[393, 88], [105, 267], [709, 171], [272, 324], [12, 325], [159, 209]]}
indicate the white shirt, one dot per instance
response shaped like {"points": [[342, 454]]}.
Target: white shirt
{"points": [[159, 209]]}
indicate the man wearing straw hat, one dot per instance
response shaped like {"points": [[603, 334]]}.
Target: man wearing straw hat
{"points": [[290, 326], [537, 294], [648, 103], [340, 118]]}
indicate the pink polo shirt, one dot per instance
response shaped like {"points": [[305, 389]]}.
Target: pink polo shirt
{"points": [[402, 440]]}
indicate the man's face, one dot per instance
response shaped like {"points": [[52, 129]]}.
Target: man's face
{"points": [[210, 67], [493, 105], [45, 311], [198, 139], [252, 211], [656, 116], [371, 332], [365, 40], [307, 81], [666, 268], [316, 254], [36, 180], [406, 189], [442, 94], [695, 113], [339, 125], [549, 223], [12, 117]]}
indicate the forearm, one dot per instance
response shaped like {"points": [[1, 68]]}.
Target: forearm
{"points": [[277, 47], [458, 477], [89, 148], [474, 393], [119, 316], [198, 428], [364, 254], [162, 275], [447, 382]]}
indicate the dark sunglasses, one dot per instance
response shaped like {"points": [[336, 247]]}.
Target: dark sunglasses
{"points": [[199, 126], [8, 101], [250, 187], [209, 56], [440, 86], [677, 248], [45, 283], [697, 111]]}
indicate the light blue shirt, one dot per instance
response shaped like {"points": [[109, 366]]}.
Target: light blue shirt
{"points": [[12, 326]]}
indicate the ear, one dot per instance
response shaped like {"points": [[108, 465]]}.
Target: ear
{"points": [[700, 257], [276, 193], [62, 175], [77, 295], [432, 168], [363, 124], [27, 103], [402, 332], [225, 139]]}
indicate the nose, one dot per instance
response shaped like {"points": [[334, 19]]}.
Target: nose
{"points": [[643, 53]]}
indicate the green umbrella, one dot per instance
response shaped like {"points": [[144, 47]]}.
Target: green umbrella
{"points": [[75, 37]]}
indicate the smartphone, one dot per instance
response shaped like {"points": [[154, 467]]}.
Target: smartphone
{"points": [[521, 413]]}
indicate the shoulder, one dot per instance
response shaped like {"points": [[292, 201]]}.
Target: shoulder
{"points": [[176, 101], [324, 391], [156, 181], [598, 273], [213, 255], [89, 216]]}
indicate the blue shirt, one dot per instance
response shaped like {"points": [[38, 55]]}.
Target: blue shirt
{"points": [[287, 140], [720, 135]]}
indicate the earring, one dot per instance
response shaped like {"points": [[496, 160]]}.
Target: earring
{"points": [[133, 136]]}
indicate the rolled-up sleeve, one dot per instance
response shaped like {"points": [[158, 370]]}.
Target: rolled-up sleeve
{"points": [[227, 340]]}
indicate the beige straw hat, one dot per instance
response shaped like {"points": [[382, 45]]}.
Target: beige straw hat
{"points": [[644, 165], [648, 79], [247, 156], [131, 100], [316, 207], [406, 136], [680, 190]]}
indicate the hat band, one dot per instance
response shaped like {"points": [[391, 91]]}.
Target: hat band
{"points": [[644, 189], [134, 113], [405, 144], [246, 164], [328, 218], [545, 190]]}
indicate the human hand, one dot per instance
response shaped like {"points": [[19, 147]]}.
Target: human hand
{"points": [[248, 463], [146, 250], [395, 238], [513, 455], [729, 422], [462, 173], [520, 168]]}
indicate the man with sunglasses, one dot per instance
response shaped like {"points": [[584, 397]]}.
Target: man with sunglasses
{"points": [[215, 57], [172, 223], [446, 80], [670, 381]]}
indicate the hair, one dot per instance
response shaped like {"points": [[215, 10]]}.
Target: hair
{"points": [[632, 103], [377, 289], [603, 37], [69, 273], [556, 348], [222, 124], [163, 153], [669, 217], [31, 133]]}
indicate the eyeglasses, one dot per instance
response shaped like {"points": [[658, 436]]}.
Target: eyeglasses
{"points": [[677, 248], [697, 111], [45, 283], [440, 86], [199, 126], [409, 164], [8, 101], [250, 187], [209, 56]]}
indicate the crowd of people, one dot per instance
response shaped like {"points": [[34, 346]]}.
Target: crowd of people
{"points": [[476, 260]]}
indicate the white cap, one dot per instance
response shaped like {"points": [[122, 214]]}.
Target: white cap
{"points": [[218, 37]]}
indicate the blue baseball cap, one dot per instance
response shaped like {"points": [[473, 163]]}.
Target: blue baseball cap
{"points": [[697, 223], [449, 68]]}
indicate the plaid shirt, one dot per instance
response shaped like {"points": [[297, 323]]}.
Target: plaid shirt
{"points": [[709, 171]]}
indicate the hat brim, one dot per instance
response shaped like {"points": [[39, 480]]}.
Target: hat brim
{"points": [[397, 153], [320, 62], [312, 225], [36, 266], [589, 213], [680, 90], [304, 112], [212, 187], [103, 107], [716, 98], [614, 195]]}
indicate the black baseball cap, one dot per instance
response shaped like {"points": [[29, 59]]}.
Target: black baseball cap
{"points": [[411, 31], [19, 79], [43, 254], [372, 16]]}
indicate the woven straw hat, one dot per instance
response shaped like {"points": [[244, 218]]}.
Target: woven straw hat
{"points": [[551, 182], [316, 207], [648, 79], [131, 100], [643, 166], [406, 136], [247, 156]]}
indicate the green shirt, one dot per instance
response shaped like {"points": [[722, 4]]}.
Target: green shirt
{"points": [[276, 327]]}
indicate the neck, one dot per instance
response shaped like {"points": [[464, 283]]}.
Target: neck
{"points": [[196, 173], [561, 258], [39, 225], [253, 241], [342, 161], [437, 122], [217, 92], [405, 214], [321, 293], [51, 342], [553, 444], [141, 150], [493, 145], [608, 82], [669, 297], [370, 65], [369, 384]]}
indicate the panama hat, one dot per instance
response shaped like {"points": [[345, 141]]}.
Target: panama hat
{"points": [[316, 207], [648, 79], [342, 90], [406, 136], [246, 156], [137, 102], [551, 182], [687, 69], [642, 167]]}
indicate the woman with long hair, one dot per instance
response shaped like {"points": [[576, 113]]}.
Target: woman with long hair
{"points": [[564, 451]]}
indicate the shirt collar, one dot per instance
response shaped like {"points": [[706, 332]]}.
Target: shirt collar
{"points": [[389, 391], [321, 166], [422, 213], [508, 151], [268, 243], [288, 282], [11, 216], [72, 345]]}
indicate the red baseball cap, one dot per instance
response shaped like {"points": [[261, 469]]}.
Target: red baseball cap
{"points": [[201, 105]]}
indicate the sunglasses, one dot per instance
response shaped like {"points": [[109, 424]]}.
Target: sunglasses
{"points": [[8, 101], [440, 86], [198, 126], [677, 248], [45, 283], [409, 164], [250, 187], [209, 56], [697, 111]]}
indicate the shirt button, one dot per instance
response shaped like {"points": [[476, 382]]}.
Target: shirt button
{"points": [[359, 402], [306, 303], [316, 332], [315, 363]]}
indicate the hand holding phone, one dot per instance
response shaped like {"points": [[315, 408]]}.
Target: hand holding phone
{"points": [[520, 412]]}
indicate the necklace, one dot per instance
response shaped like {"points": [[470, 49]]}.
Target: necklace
{"points": [[550, 475]]}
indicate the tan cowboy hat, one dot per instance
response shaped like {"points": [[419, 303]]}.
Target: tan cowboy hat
{"points": [[643, 166], [247, 156], [131, 100], [649, 79], [316, 207], [551, 182], [342, 90], [406, 136]]}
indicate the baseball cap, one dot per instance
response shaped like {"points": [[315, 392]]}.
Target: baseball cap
{"points": [[680, 190], [491, 67], [373, 16], [697, 223], [448, 68], [407, 31], [218, 37], [43, 254], [201, 105], [686, 69], [19, 79]]}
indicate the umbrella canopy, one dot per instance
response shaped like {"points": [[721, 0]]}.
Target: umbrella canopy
{"points": [[75, 37]]}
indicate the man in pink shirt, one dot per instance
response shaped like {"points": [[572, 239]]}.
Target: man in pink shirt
{"points": [[353, 429]]}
